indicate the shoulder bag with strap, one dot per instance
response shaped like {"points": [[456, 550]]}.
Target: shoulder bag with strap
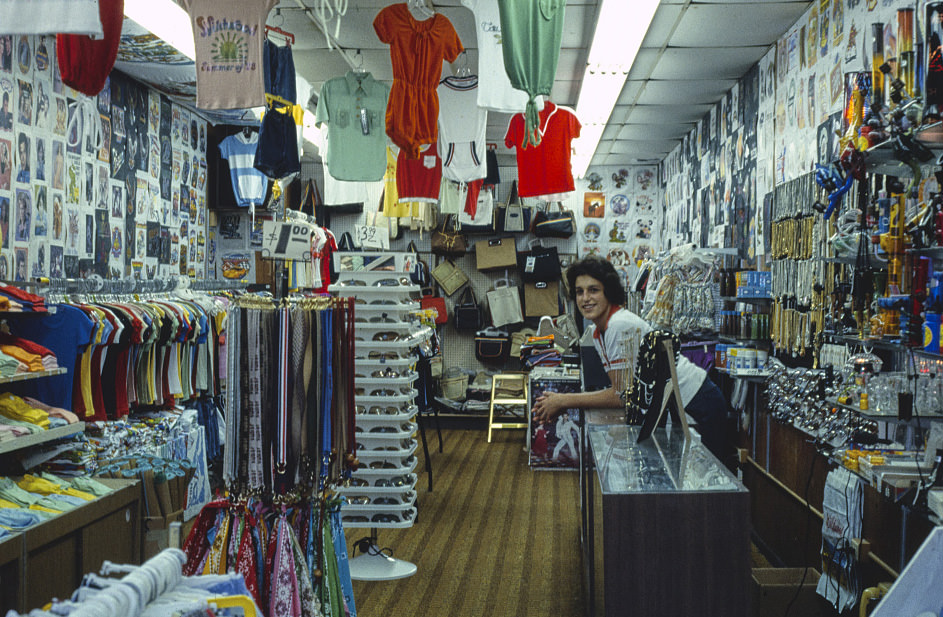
{"points": [[466, 312]]}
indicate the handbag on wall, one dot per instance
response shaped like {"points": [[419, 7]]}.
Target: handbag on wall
{"points": [[437, 303], [504, 303], [513, 218], [449, 277], [483, 221], [448, 242], [541, 299], [541, 263], [495, 254], [453, 384], [492, 346], [554, 224], [467, 313], [349, 263]]}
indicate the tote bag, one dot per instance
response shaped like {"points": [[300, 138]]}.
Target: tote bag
{"points": [[504, 302]]}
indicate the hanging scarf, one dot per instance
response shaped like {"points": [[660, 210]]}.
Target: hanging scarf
{"points": [[216, 559], [340, 551], [283, 599]]}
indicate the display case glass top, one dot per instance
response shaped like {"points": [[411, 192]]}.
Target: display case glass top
{"points": [[662, 464]]}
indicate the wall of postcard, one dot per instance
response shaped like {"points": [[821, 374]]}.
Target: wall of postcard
{"points": [[113, 185], [780, 120], [618, 210]]}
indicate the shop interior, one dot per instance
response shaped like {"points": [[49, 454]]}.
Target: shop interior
{"points": [[455, 307]]}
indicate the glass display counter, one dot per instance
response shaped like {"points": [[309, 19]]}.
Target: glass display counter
{"points": [[666, 527]]}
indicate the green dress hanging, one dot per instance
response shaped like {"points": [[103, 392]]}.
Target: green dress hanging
{"points": [[531, 31]]}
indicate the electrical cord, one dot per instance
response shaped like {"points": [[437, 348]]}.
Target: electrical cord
{"points": [[367, 547], [805, 541]]}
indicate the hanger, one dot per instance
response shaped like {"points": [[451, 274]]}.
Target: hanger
{"points": [[359, 68], [464, 70], [421, 9], [288, 36], [247, 131]]}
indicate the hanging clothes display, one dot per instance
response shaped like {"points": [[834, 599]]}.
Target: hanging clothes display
{"points": [[51, 17], [86, 62], [354, 109], [462, 125], [544, 170], [495, 91], [278, 155], [248, 183], [419, 178], [228, 40], [531, 35], [417, 49]]}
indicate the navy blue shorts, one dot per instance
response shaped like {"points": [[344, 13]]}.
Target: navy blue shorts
{"points": [[279, 71], [277, 153]]}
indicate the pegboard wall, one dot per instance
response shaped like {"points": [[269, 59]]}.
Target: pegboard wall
{"points": [[458, 347]]}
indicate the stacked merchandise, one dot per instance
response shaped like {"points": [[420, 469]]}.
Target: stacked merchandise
{"points": [[34, 498], [541, 351], [280, 527], [16, 300], [381, 493], [18, 355], [26, 416]]}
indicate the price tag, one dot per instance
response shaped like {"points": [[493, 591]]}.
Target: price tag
{"points": [[286, 240], [372, 237]]}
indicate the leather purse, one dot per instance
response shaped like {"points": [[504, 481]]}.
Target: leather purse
{"points": [[492, 346], [449, 277], [554, 224], [466, 312], [448, 242]]}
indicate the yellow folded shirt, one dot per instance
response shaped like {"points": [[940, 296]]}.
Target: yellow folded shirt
{"points": [[35, 484], [7, 504]]}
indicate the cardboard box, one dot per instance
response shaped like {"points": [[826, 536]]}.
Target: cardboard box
{"points": [[156, 532], [774, 589]]}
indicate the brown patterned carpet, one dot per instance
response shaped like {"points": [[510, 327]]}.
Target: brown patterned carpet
{"points": [[493, 538]]}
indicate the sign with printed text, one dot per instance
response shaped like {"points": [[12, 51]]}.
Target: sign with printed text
{"points": [[286, 240], [371, 237]]}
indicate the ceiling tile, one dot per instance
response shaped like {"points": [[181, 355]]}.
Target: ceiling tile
{"points": [[662, 26], [654, 131], [653, 147], [629, 91], [644, 64], [653, 114], [667, 92], [757, 24], [718, 63]]}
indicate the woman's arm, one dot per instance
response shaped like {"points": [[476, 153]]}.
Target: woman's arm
{"points": [[552, 404]]}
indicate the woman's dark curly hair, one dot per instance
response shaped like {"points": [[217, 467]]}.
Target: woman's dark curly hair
{"points": [[601, 270]]}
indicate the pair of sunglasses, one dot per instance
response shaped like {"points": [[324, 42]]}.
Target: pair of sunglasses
{"points": [[387, 336], [383, 355], [355, 519], [385, 518], [352, 283], [386, 372], [383, 465], [394, 481], [391, 282], [357, 501], [376, 410]]}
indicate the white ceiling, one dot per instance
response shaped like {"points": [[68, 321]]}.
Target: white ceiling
{"points": [[691, 56]]}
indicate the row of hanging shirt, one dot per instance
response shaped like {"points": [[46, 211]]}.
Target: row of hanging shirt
{"points": [[123, 353]]}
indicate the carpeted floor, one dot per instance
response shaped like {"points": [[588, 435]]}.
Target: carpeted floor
{"points": [[493, 538]]}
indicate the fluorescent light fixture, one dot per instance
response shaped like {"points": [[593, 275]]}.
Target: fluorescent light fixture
{"points": [[166, 20], [620, 28]]}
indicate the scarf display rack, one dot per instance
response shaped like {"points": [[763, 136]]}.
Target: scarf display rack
{"points": [[289, 442], [388, 332]]}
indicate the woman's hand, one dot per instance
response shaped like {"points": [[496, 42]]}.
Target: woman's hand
{"points": [[549, 406]]}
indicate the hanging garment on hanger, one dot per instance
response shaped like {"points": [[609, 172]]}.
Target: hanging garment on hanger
{"points": [[462, 125], [248, 183], [419, 179], [51, 17], [277, 153], [544, 169], [417, 49], [531, 35], [354, 109], [495, 91], [85, 63], [278, 73], [228, 39]]}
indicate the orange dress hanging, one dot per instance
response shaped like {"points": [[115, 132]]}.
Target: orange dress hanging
{"points": [[417, 49]]}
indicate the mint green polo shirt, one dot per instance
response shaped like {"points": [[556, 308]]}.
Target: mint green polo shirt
{"points": [[356, 149]]}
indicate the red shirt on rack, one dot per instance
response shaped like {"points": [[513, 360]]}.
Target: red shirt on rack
{"points": [[545, 169]]}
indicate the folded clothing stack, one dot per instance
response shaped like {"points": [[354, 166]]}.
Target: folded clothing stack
{"points": [[541, 351], [20, 416], [16, 300], [30, 357], [34, 498]]}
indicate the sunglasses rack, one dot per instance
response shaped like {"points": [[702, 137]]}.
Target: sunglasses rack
{"points": [[381, 493]]}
